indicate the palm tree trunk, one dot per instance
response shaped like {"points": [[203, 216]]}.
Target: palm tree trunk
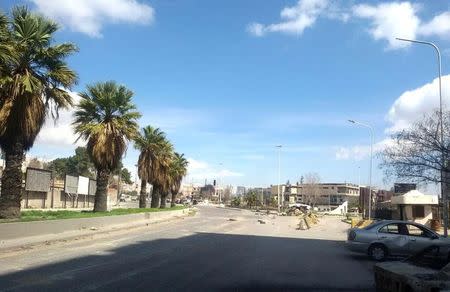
{"points": [[174, 197], [155, 197], [163, 200], [101, 194], [143, 194], [11, 188]]}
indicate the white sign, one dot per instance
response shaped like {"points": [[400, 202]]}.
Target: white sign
{"points": [[83, 185]]}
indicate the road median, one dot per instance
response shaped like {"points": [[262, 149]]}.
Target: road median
{"points": [[17, 234]]}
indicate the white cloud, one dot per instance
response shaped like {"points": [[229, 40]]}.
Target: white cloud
{"points": [[256, 29], [400, 19], [407, 109], [390, 20], [413, 104], [386, 20], [196, 164], [439, 26], [360, 152], [200, 170], [89, 16], [229, 173], [60, 133], [295, 19]]}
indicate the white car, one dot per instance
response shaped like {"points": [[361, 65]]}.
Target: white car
{"points": [[397, 238]]}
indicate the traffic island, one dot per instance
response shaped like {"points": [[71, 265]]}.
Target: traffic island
{"points": [[15, 234]]}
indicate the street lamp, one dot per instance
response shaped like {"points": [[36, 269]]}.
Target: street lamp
{"points": [[444, 197], [219, 181], [279, 177], [370, 164]]}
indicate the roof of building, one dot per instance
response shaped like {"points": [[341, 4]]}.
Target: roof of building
{"points": [[414, 197]]}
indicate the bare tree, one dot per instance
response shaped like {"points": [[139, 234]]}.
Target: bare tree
{"points": [[416, 152], [227, 194], [311, 187]]}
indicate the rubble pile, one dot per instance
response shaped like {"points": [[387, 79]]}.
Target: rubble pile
{"points": [[307, 218]]}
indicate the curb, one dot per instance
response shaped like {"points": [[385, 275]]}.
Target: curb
{"points": [[42, 233]]}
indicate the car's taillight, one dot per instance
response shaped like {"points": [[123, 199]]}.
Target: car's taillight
{"points": [[352, 235]]}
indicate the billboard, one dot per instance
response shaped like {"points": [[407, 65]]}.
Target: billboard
{"points": [[403, 188], [92, 187], [83, 185], [38, 180], [71, 184]]}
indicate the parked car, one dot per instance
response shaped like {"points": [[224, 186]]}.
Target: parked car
{"points": [[395, 238]]}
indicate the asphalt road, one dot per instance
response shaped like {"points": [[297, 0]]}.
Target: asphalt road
{"points": [[206, 252]]}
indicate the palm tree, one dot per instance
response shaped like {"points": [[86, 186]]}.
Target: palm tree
{"points": [[148, 143], [178, 170], [106, 118], [165, 157], [33, 81]]}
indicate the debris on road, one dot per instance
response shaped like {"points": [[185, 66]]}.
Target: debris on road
{"points": [[307, 218], [93, 228], [302, 225], [261, 221], [232, 219]]}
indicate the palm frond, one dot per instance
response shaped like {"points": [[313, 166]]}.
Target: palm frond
{"points": [[107, 119], [34, 75]]}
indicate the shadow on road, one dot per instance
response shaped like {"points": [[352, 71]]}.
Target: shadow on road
{"points": [[204, 261]]}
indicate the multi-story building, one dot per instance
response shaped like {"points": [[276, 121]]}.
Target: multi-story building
{"points": [[318, 194], [384, 195], [189, 190]]}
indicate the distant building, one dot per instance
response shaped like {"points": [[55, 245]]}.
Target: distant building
{"points": [[364, 201], [208, 191], [189, 190], [320, 194], [403, 188], [240, 191], [384, 196]]}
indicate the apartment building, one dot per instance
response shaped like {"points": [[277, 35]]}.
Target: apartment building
{"points": [[318, 194]]}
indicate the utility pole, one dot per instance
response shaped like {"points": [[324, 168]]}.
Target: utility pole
{"points": [[279, 178], [444, 176], [370, 164], [219, 178]]}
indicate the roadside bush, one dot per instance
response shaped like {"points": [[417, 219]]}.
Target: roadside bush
{"points": [[236, 202]]}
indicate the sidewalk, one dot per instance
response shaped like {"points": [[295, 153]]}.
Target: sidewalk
{"points": [[20, 234]]}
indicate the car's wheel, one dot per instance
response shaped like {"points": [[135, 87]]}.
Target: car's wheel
{"points": [[378, 252]]}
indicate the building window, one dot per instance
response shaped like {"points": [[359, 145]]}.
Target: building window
{"points": [[418, 211]]}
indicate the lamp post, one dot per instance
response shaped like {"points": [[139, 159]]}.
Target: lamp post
{"points": [[443, 195], [370, 164], [279, 177], [219, 181]]}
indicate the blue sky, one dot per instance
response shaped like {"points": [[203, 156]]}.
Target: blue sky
{"points": [[229, 80]]}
